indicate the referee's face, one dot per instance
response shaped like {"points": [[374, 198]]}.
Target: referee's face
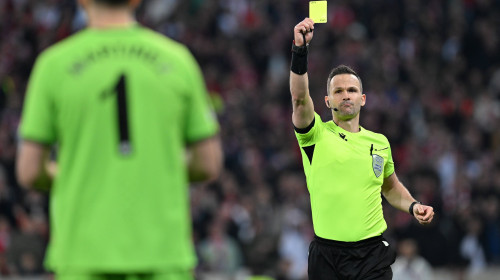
{"points": [[345, 95]]}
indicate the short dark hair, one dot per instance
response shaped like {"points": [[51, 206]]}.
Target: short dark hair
{"points": [[113, 2], [342, 69]]}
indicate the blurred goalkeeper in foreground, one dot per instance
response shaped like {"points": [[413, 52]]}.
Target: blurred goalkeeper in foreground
{"points": [[121, 103]]}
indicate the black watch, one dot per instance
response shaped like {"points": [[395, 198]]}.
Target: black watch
{"points": [[411, 207]]}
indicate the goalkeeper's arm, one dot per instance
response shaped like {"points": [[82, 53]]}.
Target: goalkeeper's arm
{"points": [[34, 169]]}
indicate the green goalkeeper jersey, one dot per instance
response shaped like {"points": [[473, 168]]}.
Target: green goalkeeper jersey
{"points": [[121, 104], [344, 173]]}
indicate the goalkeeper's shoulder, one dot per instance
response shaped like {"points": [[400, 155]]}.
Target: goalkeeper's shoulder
{"points": [[63, 49]]}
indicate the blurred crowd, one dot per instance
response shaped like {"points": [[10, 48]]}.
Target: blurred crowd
{"points": [[431, 73]]}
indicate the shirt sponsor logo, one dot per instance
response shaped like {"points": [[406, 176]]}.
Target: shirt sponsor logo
{"points": [[378, 165]]}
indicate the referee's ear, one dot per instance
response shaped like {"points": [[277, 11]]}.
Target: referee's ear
{"points": [[363, 99], [134, 3], [83, 3]]}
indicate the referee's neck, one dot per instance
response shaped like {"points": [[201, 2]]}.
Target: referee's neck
{"points": [[351, 125]]}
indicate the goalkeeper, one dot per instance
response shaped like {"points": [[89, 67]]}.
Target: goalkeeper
{"points": [[122, 103]]}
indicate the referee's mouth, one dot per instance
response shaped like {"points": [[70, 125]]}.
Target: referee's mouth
{"points": [[346, 104]]}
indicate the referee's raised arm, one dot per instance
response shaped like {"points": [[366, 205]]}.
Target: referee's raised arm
{"points": [[303, 107]]}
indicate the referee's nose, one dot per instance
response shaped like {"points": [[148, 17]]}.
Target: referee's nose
{"points": [[345, 95]]}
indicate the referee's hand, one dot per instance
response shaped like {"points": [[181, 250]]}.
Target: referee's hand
{"points": [[304, 27], [423, 213]]}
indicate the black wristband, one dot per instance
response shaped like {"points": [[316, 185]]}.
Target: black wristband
{"points": [[411, 207], [299, 59]]}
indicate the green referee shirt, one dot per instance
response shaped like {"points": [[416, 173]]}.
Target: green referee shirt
{"points": [[121, 104], [344, 173]]}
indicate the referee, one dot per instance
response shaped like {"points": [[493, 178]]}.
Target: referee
{"points": [[347, 168]]}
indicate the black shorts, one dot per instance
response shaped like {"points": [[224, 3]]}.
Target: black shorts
{"points": [[366, 259]]}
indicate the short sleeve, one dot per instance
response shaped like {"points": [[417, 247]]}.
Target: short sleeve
{"points": [[312, 135], [201, 121], [389, 164], [38, 116]]}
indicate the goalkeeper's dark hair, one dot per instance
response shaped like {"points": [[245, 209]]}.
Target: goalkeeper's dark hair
{"points": [[113, 3], [342, 69]]}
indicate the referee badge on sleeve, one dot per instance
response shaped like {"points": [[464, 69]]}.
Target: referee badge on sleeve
{"points": [[377, 164]]}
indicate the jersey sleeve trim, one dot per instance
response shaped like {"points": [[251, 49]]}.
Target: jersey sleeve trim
{"points": [[37, 141], [393, 171], [201, 138], [306, 129]]}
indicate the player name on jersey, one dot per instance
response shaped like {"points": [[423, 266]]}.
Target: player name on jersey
{"points": [[146, 55]]}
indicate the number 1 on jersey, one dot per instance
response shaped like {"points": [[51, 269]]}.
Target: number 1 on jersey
{"points": [[123, 126]]}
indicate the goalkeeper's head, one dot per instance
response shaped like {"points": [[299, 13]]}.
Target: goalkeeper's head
{"points": [[111, 3], [109, 13]]}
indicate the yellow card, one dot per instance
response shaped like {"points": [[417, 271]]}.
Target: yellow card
{"points": [[318, 11]]}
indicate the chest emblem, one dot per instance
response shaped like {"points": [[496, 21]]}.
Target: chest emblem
{"points": [[377, 164]]}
